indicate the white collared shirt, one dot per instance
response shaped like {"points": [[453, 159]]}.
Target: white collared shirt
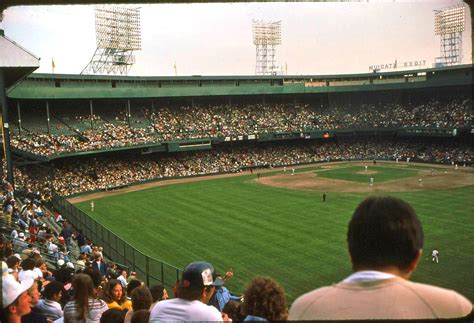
{"points": [[367, 276]]}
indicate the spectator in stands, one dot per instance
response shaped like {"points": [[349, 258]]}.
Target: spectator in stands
{"points": [[96, 278], [8, 207], [7, 249], [35, 315], [112, 315], [58, 218], [222, 295], [13, 263], [15, 298], [27, 270], [84, 304], [41, 269], [194, 292], [141, 300], [233, 310], [385, 239], [140, 316], [158, 293], [132, 276], [66, 232], [123, 278], [114, 295], [20, 243], [82, 260], [264, 299], [100, 265], [111, 270], [131, 286], [80, 238], [49, 305]]}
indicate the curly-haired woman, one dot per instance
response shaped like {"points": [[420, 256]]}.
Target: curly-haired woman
{"points": [[264, 299]]}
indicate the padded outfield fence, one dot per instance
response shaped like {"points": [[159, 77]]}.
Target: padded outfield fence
{"points": [[148, 269]]}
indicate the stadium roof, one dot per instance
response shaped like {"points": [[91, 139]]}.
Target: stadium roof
{"points": [[243, 77], [15, 61]]}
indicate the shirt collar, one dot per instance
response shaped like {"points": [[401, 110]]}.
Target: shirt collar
{"points": [[367, 276]]}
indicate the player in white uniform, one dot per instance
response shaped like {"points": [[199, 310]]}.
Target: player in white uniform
{"points": [[92, 206], [434, 255]]}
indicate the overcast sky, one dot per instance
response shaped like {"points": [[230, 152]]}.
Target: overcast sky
{"points": [[216, 39]]}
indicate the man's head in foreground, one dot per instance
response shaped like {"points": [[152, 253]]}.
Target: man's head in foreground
{"points": [[198, 282], [385, 234]]}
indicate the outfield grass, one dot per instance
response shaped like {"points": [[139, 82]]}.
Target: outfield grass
{"points": [[357, 173], [292, 236]]}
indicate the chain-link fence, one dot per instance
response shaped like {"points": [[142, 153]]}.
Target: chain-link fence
{"points": [[151, 270]]}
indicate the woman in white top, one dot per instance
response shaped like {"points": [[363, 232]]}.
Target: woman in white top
{"points": [[84, 307]]}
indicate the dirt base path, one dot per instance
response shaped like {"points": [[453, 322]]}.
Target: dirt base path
{"points": [[445, 177], [441, 179]]}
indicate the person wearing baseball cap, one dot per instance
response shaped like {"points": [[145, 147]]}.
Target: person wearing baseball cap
{"points": [[15, 298], [194, 292]]}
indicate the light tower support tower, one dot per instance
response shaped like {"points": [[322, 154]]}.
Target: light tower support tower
{"points": [[449, 25], [118, 34], [266, 35]]}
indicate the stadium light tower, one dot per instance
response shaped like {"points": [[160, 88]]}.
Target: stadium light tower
{"points": [[266, 35], [117, 34], [449, 24]]}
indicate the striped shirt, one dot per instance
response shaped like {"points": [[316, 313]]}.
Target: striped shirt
{"points": [[96, 308]]}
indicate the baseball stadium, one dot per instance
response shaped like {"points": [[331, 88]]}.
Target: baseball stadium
{"points": [[258, 175]]}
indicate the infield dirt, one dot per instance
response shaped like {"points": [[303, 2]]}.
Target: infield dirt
{"points": [[444, 177], [311, 181]]}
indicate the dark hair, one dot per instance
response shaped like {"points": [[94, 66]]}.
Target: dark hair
{"points": [[232, 309], [113, 315], [384, 231], [107, 292], [12, 261], [28, 264], [265, 298], [94, 274], [189, 293], [64, 275], [140, 316], [134, 283], [157, 292], [52, 288], [141, 298]]}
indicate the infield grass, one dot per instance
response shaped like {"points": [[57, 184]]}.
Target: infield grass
{"points": [[358, 174], [237, 223]]}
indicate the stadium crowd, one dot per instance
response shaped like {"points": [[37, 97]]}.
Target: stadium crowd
{"points": [[82, 175], [219, 121], [53, 272], [57, 274]]}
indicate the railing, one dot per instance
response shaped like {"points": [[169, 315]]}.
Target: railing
{"points": [[150, 270]]}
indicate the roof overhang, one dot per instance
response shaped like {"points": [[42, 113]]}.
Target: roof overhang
{"points": [[15, 61]]}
